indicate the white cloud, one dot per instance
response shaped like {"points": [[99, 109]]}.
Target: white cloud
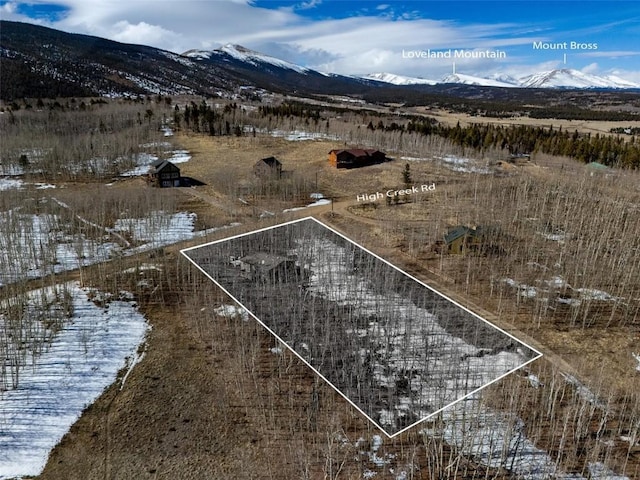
{"points": [[307, 5], [611, 54], [9, 8], [352, 45], [592, 68], [142, 33], [632, 76]]}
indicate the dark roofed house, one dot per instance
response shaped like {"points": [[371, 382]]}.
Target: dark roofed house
{"points": [[456, 239], [163, 173], [268, 267], [355, 157], [269, 167], [482, 239]]}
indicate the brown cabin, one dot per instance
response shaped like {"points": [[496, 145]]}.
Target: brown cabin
{"points": [[355, 157], [269, 167], [267, 267], [163, 173]]}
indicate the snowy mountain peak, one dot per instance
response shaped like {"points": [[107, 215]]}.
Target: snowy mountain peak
{"points": [[569, 78], [197, 54], [472, 80], [256, 58], [246, 55], [398, 79], [235, 49]]}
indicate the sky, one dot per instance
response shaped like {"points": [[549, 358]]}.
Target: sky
{"points": [[361, 37]]}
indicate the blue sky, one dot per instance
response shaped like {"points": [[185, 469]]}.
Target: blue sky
{"points": [[358, 37]]}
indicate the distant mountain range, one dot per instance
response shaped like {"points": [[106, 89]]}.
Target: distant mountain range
{"points": [[42, 62], [561, 78]]}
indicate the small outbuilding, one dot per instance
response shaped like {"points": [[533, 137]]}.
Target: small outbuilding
{"points": [[482, 239], [597, 168], [355, 157], [457, 238], [269, 167], [163, 173]]}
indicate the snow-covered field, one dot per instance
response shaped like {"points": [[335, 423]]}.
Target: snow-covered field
{"points": [[292, 135], [32, 246], [557, 284], [17, 184], [81, 361], [455, 163], [498, 439], [158, 228]]}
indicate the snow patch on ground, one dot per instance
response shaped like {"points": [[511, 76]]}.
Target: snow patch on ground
{"points": [[524, 290], [599, 471], [143, 163], [594, 294], [32, 246], [319, 200], [144, 160], [17, 184], [159, 228], [292, 135], [637, 357], [179, 156], [583, 391], [454, 162], [534, 381], [83, 358], [232, 311], [555, 237], [10, 183], [496, 439]]}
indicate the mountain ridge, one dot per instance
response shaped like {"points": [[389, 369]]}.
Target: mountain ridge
{"points": [[557, 78], [39, 61]]}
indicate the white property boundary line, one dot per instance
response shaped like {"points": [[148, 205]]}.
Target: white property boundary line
{"points": [[537, 356]]}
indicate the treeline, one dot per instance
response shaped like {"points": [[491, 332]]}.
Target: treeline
{"points": [[510, 102], [627, 130], [294, 108], [568, 112], [72, 142], [202, 118], [521, 139]]}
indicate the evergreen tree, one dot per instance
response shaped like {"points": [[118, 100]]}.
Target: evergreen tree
{"points": [[406, 176]]}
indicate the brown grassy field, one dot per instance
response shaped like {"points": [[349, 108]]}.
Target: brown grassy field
{"points": [[582, 126]]}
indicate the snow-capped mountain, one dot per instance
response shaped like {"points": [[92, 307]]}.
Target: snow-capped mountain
{"points": [[398, 79], [565, 78], [504, 78], [472, 80], [242, 54], [569, 78], [40, 62], [621, 82]]}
